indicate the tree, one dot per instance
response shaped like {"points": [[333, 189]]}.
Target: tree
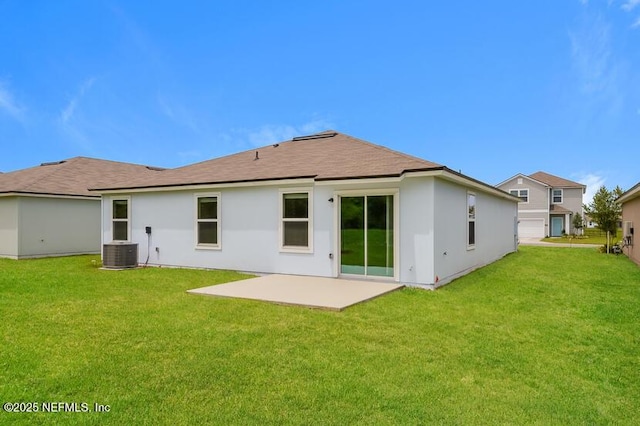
{"points": [[605, 209], [578, 223]]}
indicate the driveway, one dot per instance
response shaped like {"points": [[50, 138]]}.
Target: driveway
{"points": [[537, 242], [312, 292]]}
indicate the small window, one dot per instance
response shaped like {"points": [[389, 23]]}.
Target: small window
{"points": [[296, 221], [523, 194], [208, 221], [556, 196], [120, 219], [471, 220]]}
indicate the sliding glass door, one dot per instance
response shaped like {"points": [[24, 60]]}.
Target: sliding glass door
{"points": [[366, 235]]}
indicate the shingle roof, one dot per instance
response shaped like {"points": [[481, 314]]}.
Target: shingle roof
{"points": [[325, 156], [70, 177], [555, 181]]}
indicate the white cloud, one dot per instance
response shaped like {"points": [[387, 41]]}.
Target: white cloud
{"points": [[591, 53], [68, 112], [636, 24], [177, 113], [629, 5], [9, 105], [270, 133], [593, 181]]}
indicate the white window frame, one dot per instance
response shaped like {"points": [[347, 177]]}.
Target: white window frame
{"points": [[470, 219], [126, 198], [218, 221], [519, 194], [553, 196], [309, 220]]}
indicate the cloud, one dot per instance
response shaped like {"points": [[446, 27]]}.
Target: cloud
{"points": [[591, 55], [270, 133], [68, 112], [629, 5], [9, 105], [636, 24], [593, 180], [177, 113]]}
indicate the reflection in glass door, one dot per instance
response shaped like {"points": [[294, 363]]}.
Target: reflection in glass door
{"points": [[366, 235]]}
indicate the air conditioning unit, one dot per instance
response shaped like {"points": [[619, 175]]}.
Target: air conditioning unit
{"points": [[120, 255]]}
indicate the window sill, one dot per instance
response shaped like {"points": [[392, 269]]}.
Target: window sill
{"points": [[216, 247], [291, 249]]}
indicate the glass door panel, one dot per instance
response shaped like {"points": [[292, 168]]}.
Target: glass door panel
{"points": [[380, 235], [352, 235], [366, 235]]}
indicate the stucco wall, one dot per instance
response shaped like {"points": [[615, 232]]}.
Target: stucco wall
{"points": [[250, 221], [496, 223], [631, 212], [9, 227], [58, 226]]}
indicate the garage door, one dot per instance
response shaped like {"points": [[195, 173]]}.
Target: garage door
{"points": [[531, 228]]}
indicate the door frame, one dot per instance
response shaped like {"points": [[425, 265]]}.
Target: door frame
{"points": [[337, 196]]}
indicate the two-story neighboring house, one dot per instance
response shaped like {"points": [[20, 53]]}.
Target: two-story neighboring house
{"points": [[548, 203]]}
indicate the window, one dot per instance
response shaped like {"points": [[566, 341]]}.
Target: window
{"points": [[120, 219], [523, 194], [471, 220], [556, 196], [208, 220], [296, 221]]}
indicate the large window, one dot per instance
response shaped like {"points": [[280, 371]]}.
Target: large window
{"points": [[296, 227], [120, 219], [471, 220], [208, 220], [556, 196], [523, 194]]}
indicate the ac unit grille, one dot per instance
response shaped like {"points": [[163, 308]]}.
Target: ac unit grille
{"points": [[120, 255]]}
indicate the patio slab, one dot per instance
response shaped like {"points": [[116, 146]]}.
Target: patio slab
{"points": [[312, 292]]}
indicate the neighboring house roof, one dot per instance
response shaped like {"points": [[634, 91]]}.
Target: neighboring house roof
{"points": [[324, 156], [555, 181], [71, 177], [548, 180], [629, 195], [554, 209]]}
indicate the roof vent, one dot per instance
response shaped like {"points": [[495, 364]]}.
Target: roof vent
{"points": [[155, 169], [53, 163], [316, 136]]}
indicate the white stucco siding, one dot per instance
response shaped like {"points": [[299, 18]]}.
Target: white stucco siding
{"points": [[58, 226], [9, 227], [495, 227], [249, 225], [416, 231]]}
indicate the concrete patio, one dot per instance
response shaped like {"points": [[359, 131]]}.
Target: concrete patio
{"points": [[312, 292]]}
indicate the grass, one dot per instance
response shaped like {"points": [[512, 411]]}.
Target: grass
{"points": [[591, 236], [544, 336]]}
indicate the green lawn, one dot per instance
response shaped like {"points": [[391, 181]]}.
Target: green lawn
{"points": [[544, 336], [591, 236]]}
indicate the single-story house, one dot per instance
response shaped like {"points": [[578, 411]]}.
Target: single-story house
{"points": [[47, 210], [327, 205], [630, 201], [547, 203]]}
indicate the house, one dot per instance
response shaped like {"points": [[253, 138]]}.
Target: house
{"points": [[547, 203], [327, 205], [630, 201], [48, 211]]}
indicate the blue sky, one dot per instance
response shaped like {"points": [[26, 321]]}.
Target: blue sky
{"points": [[491, 88]]}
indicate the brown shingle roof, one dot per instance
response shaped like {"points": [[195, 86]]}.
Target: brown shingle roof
{"points": [[555, 181], [324, 156], [70, 177]]}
